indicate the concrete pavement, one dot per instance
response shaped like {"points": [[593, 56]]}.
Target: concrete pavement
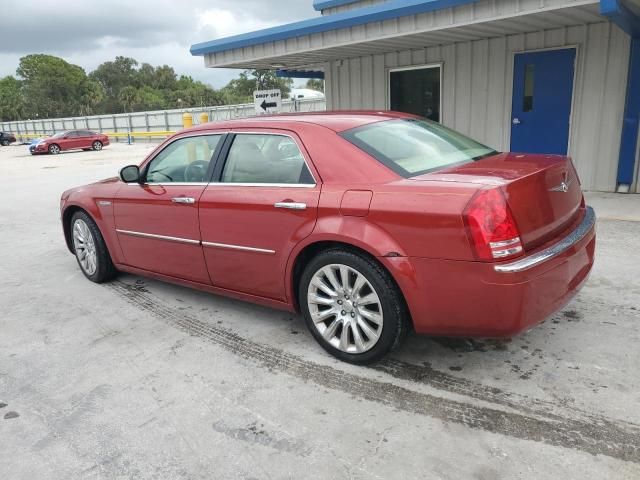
{"points": [[141, 379]]}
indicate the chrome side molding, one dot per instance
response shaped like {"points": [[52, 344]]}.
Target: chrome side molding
{"points": [[238, 247], [554, 250], [158, 237], [196, 242]]}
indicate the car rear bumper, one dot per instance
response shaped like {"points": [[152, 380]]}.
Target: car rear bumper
{"points": [[465, 298]]}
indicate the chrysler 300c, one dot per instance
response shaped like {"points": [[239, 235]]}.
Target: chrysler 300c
{"points": [[368, 223]]}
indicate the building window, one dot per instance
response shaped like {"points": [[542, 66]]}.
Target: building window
{"points": [[529, 87], [416, 90]]}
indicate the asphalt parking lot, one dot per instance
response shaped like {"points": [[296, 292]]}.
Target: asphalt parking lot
{"points": [[140, 379]]}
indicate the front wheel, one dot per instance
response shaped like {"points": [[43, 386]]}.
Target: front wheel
{"points": [[90, 249], [54, 149], [5, 143], [97, 145], [352, 306]]}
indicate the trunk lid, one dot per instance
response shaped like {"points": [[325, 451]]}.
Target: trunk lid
{"points": [[542, 191]]}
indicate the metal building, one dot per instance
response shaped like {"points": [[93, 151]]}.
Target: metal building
{"points": [[550, 76]]}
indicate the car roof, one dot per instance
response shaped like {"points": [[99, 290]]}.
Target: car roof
{"points": [[337, 121]]}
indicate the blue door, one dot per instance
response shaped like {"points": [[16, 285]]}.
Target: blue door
{"points": [[542, 93]]}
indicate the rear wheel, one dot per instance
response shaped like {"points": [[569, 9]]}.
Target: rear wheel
{"points": [[97, 145], [90, 249], [54, 149], [352, 306], [5, 143]]}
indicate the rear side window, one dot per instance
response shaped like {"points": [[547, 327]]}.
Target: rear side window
{"points": [[265, 159], [412, 147]]}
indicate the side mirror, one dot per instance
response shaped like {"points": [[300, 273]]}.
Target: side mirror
{"points": [[130, 174]]}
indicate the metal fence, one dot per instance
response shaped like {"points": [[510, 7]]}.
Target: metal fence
{"points": [[160, 123]]}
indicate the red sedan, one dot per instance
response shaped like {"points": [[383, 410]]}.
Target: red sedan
{"points": [[366, 222], [70, 140]]}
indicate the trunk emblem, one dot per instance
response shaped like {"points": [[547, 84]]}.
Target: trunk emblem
{"points": [[563, 187]]}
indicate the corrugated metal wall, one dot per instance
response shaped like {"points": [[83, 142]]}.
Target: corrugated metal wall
{"points": [[477, 89]]}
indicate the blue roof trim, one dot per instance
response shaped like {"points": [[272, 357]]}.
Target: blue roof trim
{"points": [[631, 121], [376, 13], [324, 4], [622, 13], [301, 74]]}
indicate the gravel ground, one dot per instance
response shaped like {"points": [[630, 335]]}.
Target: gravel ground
{"points": [[140, 379]]}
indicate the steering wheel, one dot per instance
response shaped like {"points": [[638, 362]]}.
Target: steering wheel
{"points": [[196, 171]]}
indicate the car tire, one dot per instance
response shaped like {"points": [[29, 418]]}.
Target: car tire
{"points": [[90, 249], [332, 312], [5, 143], [54, 149], [97, 145]]}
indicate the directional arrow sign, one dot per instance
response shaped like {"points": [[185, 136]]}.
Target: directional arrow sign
{"points": [[267, 101], [266, 105]]}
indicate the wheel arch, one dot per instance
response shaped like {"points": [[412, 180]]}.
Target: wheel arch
{"points": [[67, 214], [306, 253]]}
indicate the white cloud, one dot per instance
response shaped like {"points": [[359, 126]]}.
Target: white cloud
{"points": [[153, 31]]}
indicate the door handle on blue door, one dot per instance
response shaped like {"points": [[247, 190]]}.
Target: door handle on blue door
{"points": [[516, 121], [291, 205], [184, 200]]}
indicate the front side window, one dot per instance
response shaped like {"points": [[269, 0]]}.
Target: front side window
{"points": [[269, 158], [412, 147], [185, 160]]}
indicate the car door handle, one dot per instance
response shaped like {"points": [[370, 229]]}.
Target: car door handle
{"points": [[291, 205], [185, 200]]}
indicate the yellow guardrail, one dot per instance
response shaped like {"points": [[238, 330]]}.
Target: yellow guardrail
{"points": [[138, 134]]}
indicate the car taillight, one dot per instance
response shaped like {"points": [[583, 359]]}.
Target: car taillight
{"points": [[491, 228]]}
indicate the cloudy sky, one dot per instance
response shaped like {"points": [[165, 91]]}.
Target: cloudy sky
{"points": [[154, 31]]}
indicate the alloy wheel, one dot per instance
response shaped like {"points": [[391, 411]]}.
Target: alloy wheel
{"points": [[54, 149], [97, 146], [345, 308], [85, 247]]}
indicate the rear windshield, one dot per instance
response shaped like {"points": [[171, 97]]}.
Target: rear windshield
{"points": [[412, 147]]}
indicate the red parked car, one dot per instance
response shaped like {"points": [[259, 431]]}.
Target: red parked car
{"points": [[366, 222], [70, 140]]}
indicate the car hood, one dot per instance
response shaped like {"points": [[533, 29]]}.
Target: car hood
{"points": [[106, 187]]}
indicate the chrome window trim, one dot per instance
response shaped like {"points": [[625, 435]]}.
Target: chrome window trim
{"points": [[147, 161], [272, 185], [158, 237], [554, 250], [300, 148], [238, 247], [168, 184]]}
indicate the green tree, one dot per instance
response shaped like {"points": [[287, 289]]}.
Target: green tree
{"points": [[92, 97], [11, 100], [51, 86], [129, 98], [315, 84], [114, 76]]}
